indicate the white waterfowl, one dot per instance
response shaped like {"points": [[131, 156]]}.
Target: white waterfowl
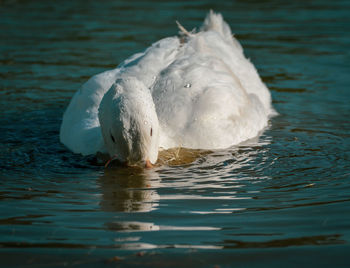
{"points": [[195, 91]]}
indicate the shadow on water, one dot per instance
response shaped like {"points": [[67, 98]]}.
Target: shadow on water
{"points": [[320, 240]]}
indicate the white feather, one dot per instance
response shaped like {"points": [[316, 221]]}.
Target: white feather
{"points": [[198, 91]]}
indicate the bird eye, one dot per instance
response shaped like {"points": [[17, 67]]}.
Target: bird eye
{"points": [[112, 138], [151, 132]]}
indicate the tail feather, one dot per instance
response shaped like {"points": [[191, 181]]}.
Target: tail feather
{"points": [[215, 22]]}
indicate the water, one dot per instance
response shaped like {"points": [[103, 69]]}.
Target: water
{"points": [[280, 200]]}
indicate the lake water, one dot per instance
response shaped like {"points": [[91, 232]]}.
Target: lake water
{"points": [[280, 200]]}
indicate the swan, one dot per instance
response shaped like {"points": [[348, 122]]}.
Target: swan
{"points": [[196, 90]]}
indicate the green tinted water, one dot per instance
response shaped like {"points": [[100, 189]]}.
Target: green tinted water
{"points": [[280, 200]]}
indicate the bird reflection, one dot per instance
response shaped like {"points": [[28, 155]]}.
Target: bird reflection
{"points": [[129, 189], [133, 189]]}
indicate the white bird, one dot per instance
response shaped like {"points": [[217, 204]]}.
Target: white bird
{"points": [[194, 91]]}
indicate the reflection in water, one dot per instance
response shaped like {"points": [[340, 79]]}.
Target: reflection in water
{"points": [[129, 189], [131, 226], [282, 199], [133, 189]]}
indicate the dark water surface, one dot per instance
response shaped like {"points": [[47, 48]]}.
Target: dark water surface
{"points": [[282, 201]]}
